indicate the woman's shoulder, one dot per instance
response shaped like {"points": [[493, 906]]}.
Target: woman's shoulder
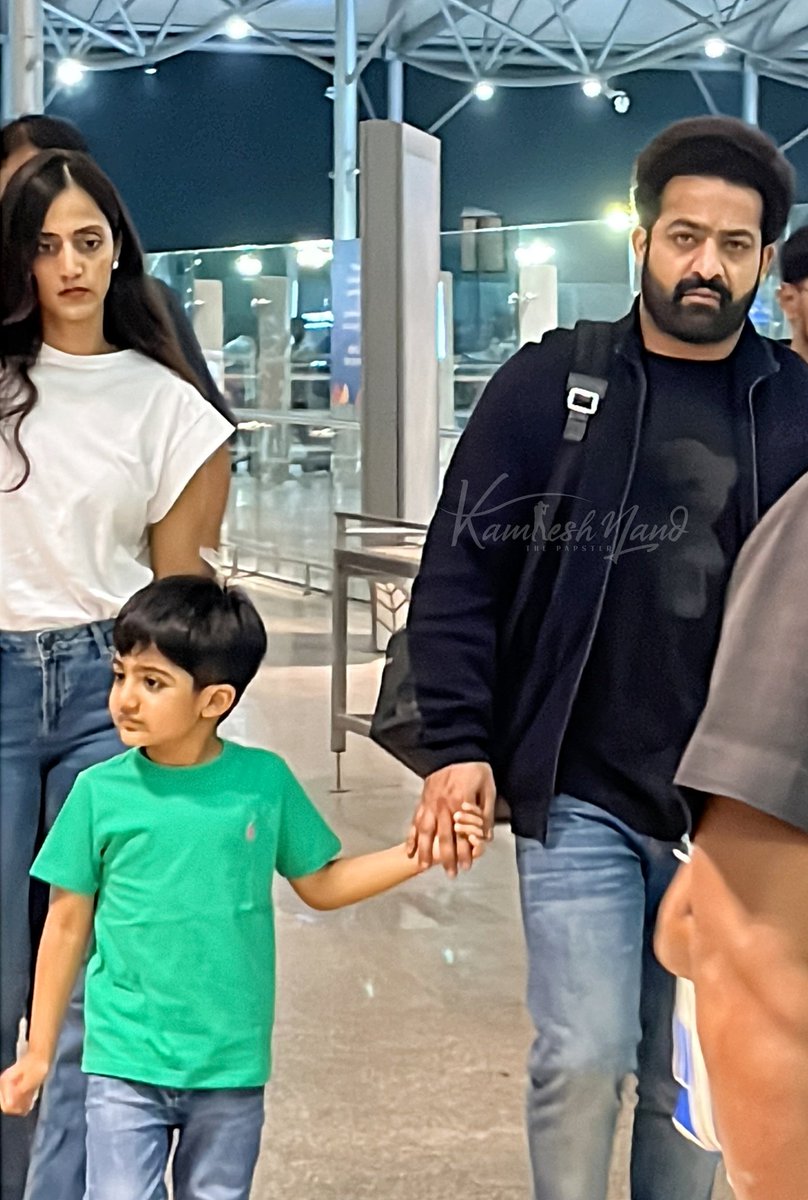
{"points": [[163, 385]]}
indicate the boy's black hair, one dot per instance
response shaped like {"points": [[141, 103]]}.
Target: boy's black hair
{"points": [[794, 257], [41, 132], [216, 635], [724, 147]]}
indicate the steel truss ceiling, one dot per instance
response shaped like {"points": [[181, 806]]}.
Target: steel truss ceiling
{"points": [[515, 43]]}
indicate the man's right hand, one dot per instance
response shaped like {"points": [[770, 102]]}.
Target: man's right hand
{"points": [[444, 793]]}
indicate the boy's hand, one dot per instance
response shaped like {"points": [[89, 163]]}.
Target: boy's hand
{"points": [[469, 822], [20, 1084]]}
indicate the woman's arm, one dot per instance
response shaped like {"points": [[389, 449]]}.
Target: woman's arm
{"points": [[64, 941], [193, 522]]}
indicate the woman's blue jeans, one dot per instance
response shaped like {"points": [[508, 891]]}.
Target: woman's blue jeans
{"points": [[54, 722]]}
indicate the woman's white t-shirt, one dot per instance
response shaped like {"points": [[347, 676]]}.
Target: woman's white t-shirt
{"points": [[113, 440]]}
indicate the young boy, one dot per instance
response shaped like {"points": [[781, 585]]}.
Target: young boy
{"points": [[168, 851]]}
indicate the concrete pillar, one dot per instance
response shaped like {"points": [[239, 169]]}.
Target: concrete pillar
{"points": [[750, 96], [23, 57], [400, 195], [346, 116], [395, 89]]}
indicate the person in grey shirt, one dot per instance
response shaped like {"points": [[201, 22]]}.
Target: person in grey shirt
{"points": [[735, 920]]}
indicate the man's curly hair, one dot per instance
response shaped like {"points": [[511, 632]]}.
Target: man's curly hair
{"points": [[726, 148]]}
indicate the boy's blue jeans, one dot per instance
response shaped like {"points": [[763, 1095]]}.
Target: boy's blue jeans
{"points": [[129, 1128], [602, 1007], [54, 722]]}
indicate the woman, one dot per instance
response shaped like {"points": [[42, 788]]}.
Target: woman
{"points": [[105, 441]]}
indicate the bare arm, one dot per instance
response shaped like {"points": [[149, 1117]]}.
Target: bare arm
{"points": [[348, 880], [749, 897], [194, 520], [61, 950]]}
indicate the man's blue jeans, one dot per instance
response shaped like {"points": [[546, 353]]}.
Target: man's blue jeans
{"points": [[602, 1008], [54, 722], [129, 1128]]}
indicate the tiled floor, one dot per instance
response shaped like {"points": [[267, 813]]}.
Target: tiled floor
{"points": [[400, 1035]]}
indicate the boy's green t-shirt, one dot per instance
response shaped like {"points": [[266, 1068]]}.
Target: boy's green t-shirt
{"points": [[181, 983]]}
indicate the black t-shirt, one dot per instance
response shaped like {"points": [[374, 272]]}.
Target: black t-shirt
{"points": [[647, 676]]}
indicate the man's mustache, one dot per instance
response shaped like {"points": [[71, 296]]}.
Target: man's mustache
{"points": [[695, 283]]}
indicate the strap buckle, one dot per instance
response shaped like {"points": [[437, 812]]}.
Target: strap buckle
{"points": [[582, 400]]}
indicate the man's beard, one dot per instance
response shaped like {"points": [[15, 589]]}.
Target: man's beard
{"points": [[698, 324]]}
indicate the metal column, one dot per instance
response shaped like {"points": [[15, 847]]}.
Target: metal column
{"points": [[23, 53], [395, 89], [750, 94], [346, 114]]}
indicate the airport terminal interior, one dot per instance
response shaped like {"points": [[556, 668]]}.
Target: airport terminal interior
{"points": [[352, 358]]}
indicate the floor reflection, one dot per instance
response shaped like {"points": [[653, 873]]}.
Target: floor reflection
{"points": [[400, 1035]]}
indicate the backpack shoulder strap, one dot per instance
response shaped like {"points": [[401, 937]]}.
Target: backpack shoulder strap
{"points": [[588, 380]]}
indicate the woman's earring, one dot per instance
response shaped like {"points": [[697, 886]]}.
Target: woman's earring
{"points": [[115, 265]]}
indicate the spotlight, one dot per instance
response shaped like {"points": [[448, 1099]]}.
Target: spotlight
{"points": [[592, 88], [534, 253], [237, 28], [618, 218], [150, 70], [715, 47], [621, 102], [483, 90], [69, 72], [313, 256], [249, 265]]}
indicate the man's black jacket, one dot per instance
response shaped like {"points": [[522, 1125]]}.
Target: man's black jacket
{"points": [[480, 699]]}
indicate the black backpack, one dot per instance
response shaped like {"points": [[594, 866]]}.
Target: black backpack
{"points": [[397, 725]]}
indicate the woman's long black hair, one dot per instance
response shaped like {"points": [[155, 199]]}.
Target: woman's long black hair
{"points": [[135, 316]]}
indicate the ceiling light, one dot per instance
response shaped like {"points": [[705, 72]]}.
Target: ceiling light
{"points": [[69, 72], [618, 218], [483, 90], [621, 102], [237, 28], [249, 265], [592, 88], [150, 70], [715, 47], [313, 256], [534, 253]]}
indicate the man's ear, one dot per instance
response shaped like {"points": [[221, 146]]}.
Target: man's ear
{"points": [[217, 699], [639, 242], [766, 261]]}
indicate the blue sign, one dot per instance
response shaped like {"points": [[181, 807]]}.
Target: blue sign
{"points": [[346, 335]]}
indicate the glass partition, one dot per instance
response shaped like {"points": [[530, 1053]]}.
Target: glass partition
{"points": [[266, 317]]}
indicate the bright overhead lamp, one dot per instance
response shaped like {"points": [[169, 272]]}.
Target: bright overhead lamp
{"points": [[150, 70], [533, 254], [69, 72], [618, 218], [249, 265], [592, 88], [484, 90], [313, 256], [621, 103], [715, 47], [237, 28]]}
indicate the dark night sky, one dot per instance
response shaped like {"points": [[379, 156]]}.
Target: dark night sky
{"points": [[219, 149]]}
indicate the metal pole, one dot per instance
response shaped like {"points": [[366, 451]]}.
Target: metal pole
{"points": [[346, 114], [395, 89], [23, 54], [750, 107]]}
